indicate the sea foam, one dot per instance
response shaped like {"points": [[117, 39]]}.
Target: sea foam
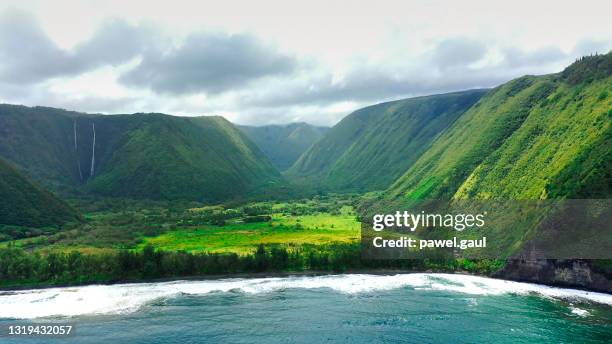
{"points": [[126, 298]]}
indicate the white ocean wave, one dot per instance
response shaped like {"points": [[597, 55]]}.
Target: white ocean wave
{"points": [[579, 311], [125, 298]]}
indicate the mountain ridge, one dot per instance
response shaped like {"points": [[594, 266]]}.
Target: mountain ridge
{"points": [[372, 146], [284, 144], [139, 155], [537, 134], [24, 203]]}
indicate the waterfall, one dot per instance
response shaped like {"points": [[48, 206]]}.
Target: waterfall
{"points": [[93, 150], [75, 138], [76, 150]]}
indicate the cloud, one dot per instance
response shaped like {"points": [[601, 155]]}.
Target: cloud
{"points": [[449, 65], [41, 95], [459, 51], [514, 57], [203, 62], [590, 46], [117, 42], [370, 85], [209, 62], [316, 75], [26, 53], [29, 56]]}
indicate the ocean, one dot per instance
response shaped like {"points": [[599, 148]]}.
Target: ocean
{"points": [[354, 308]]}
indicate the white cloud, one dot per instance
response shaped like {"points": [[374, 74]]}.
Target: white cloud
{"points": [[277, 61]]}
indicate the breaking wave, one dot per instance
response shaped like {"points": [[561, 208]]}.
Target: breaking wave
{"points": [[125, 298]]}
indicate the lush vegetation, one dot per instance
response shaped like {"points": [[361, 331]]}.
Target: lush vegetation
{"points": [[373, 146], [242, 237], [18, 268], [23, 204], [130, 240], [152, 156], [165, 157], [531, 138], [179, 185], [239, 228], [38, 140], [284, 144]]}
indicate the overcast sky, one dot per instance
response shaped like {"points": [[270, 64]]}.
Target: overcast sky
{"points": [[262, 62]]}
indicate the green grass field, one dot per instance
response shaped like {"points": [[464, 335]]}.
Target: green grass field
{"points": [[195, 229], [239, 237]]}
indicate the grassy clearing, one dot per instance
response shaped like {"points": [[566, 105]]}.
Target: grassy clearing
{"points": [[242, 238], [202, 228]]}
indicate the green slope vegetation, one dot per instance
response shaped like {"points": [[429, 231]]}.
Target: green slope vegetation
{"points": [[23, 203], [284, 144], [531, 138], [152, 156], [373, 146], [166, 157], [40, 142]]}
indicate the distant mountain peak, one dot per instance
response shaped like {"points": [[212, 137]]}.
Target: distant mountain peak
{"points": [[284, 143]]}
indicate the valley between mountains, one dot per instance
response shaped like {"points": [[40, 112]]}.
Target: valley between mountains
{"points": [[90, 198]]}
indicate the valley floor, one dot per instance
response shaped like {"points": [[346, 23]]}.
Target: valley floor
{"points": [[130, 241], [110, 226]]}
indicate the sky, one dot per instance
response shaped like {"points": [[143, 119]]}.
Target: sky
{"points": [[274, 62]]}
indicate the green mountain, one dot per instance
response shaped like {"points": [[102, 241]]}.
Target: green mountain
{"points": [[544, 137], [373, 146], [284, 144], [532, 138], [40, 142], [151, 156], [23, 203]]}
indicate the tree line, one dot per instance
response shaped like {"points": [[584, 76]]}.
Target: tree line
{"points": [[20, 268]]}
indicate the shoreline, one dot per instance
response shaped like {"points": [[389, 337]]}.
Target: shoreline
{"points": [[245, 275], [281, 274]]}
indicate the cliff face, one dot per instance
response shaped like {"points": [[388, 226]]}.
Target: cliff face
{"points": [[536, 137], [373, 146], [586, 274], [140, 156]]}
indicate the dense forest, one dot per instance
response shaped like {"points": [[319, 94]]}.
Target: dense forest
{"points": [[18, 268]]}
